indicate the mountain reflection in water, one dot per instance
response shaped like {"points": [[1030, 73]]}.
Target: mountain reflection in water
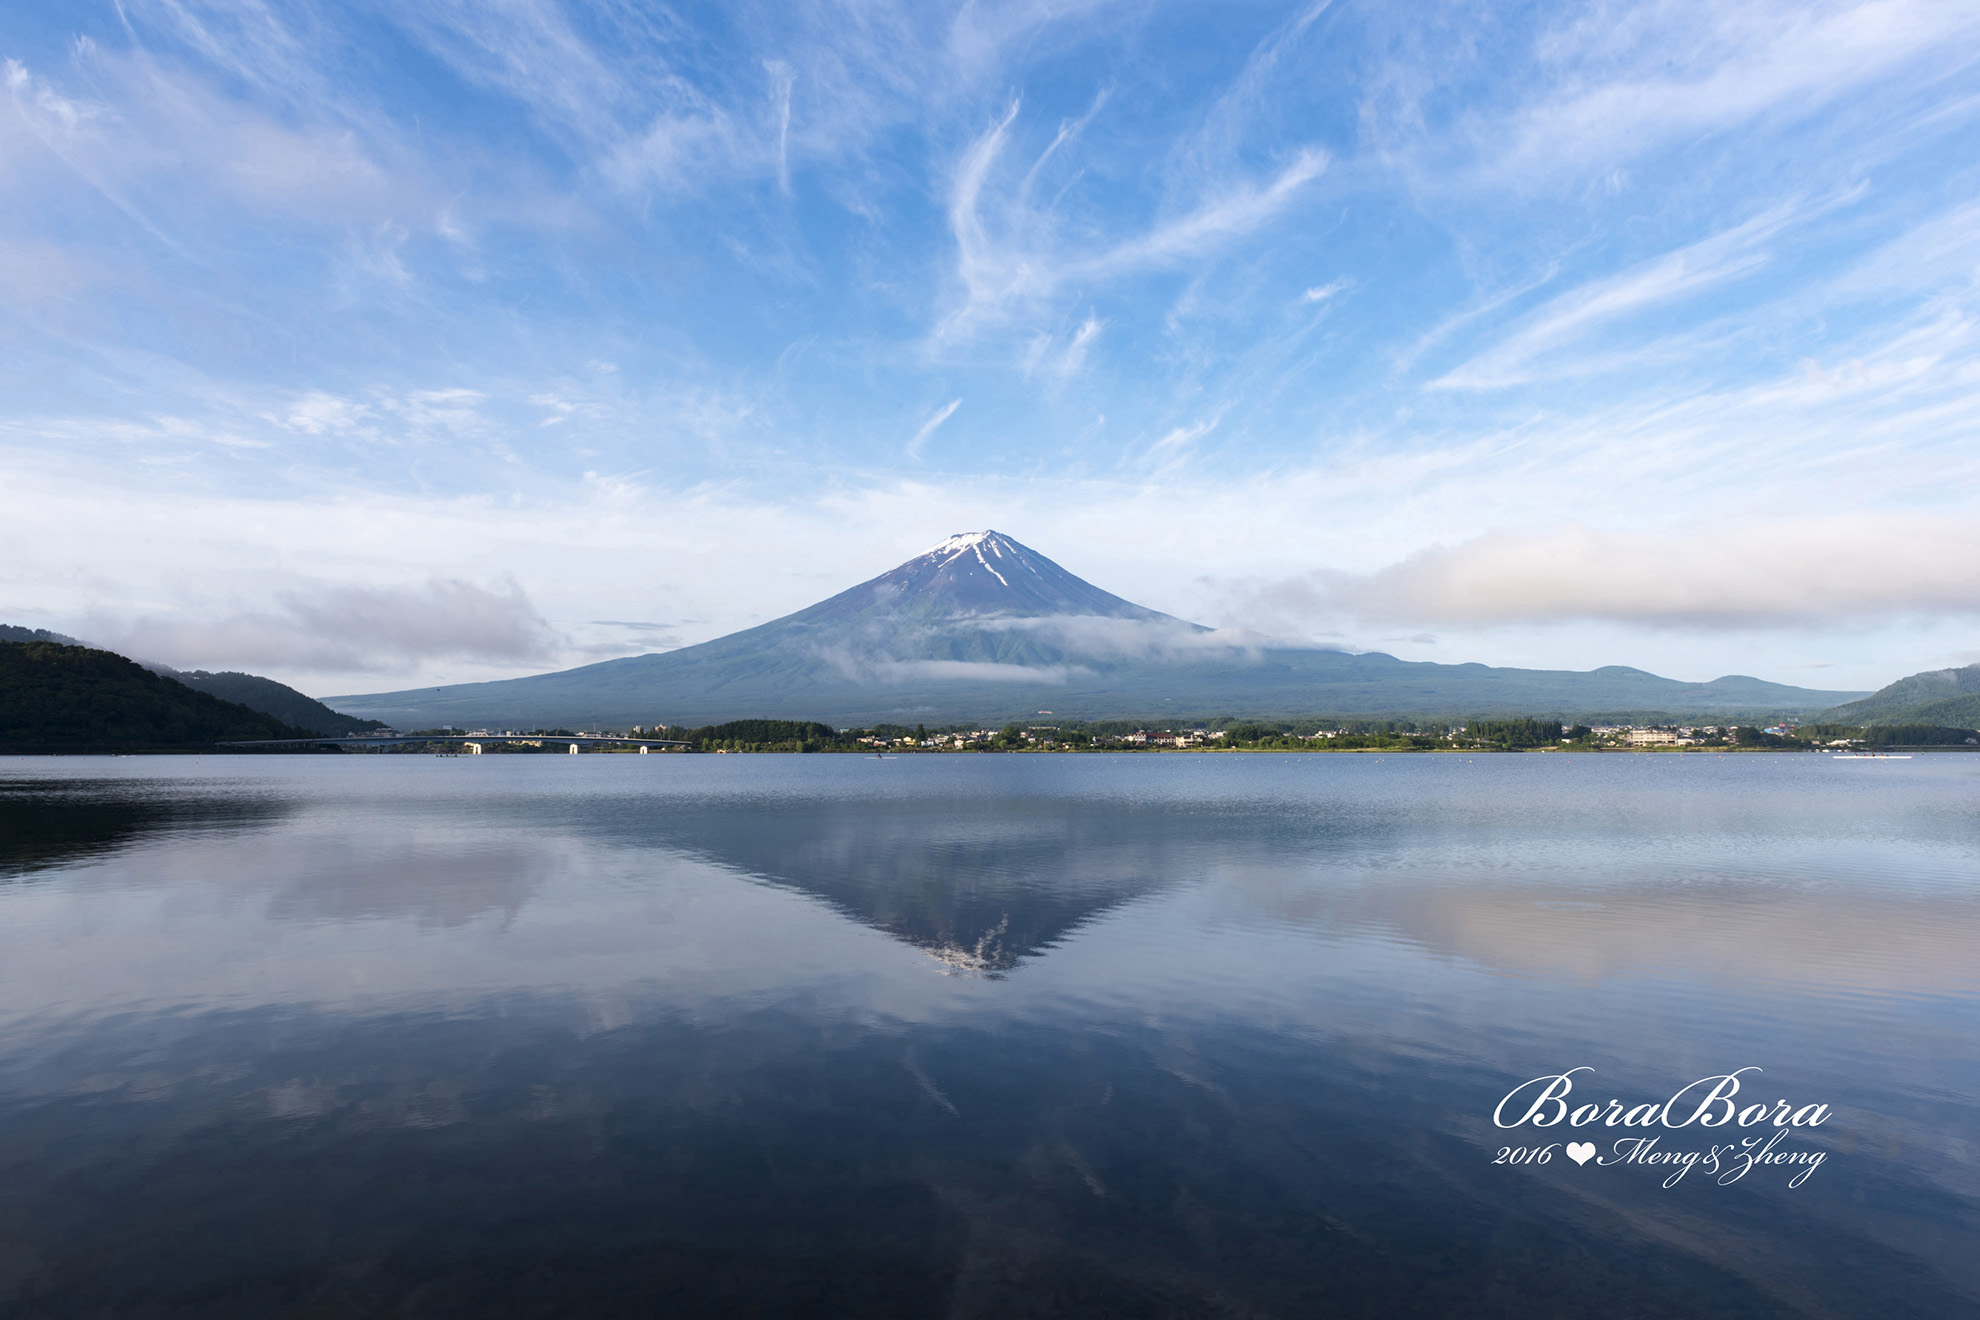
{"points": [[979, 885], [616, 1036], [49, 822]]}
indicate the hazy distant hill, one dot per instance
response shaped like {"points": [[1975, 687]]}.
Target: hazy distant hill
{"points": [[981, 628], [252, 691], [270, 698], [1937, 696], [11, 633], [72, 698]]}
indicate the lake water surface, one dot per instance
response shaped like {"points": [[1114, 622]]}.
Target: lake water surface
{"points": [[981, 1036]]}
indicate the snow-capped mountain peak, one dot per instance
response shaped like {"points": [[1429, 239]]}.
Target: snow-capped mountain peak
{"points": [[982, 545], [963, 542], [982, 627], [976, 574]]}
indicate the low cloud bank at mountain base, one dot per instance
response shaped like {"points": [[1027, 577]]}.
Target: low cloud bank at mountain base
{"points": [[599, 576], [352, 629], [983, 628], [1774, 573]]}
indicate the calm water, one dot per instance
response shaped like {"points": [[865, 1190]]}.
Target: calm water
{"points": [[977, 1036]]}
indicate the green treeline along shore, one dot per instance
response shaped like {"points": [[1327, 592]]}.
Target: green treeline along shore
{"points": [[57, 697], [1521, 734]]}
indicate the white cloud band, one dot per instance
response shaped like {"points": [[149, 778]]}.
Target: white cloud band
{"points": [[1763, 573], [350, 629]]}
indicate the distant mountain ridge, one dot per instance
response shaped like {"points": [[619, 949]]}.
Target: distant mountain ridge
{"points": [[250, 690], [270, 698], [14, 633], [77, 699], [983, 628], [1938, 696]]}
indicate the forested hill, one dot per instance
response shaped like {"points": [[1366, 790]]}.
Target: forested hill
{"points": [[271, 698], [250, 690], [1937, 696], [14, 633], [73, 698]]}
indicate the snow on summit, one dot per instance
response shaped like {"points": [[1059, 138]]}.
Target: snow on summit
{"points": [[982, 627], [973, 574], [966, 543], [962, 541]]}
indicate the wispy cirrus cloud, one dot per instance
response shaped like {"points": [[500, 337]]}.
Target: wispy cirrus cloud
{"points": [[1626, 80], [139, 122], [1013, 254], [928, 428], [530, 53], [1254, 93], [1570, 318]]}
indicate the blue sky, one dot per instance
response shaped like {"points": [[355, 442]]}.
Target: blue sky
{"points": [[370, 345]]}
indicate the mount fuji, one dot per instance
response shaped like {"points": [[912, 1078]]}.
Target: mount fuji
{"points": [[981, 628]]}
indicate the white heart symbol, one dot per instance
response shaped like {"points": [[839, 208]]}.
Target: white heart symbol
{"points": [[1581, 1151]]}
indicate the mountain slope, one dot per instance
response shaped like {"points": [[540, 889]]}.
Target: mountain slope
{"points": [[72, 698], [14, 633], [983, 628], [250, 690], [1937, 696], [979, 575], [270, 698]]}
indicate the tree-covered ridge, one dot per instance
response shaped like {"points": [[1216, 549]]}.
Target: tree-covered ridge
{"points": [[14, 633], [1525, 731], [250, 690], [1890, 735], [270, 698], [763, 735], [74, 698], [1941, 697]]}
